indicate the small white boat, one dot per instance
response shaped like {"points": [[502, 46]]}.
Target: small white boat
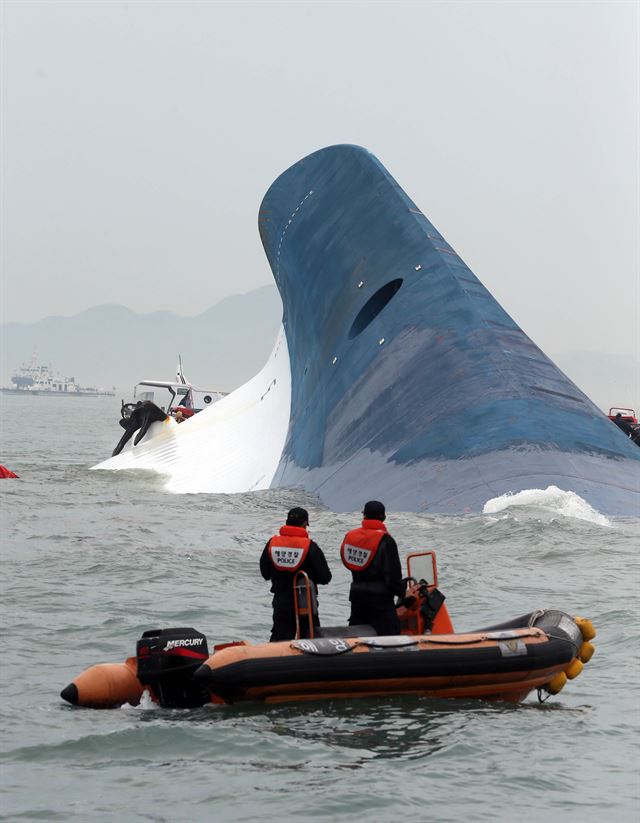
{"points": [[160, 401], [172, 397]]}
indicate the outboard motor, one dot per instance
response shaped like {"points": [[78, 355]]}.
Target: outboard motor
{"points": [[167, 659]]}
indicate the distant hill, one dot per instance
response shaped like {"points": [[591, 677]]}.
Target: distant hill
{"points": [[111, 345], [222, 347]]}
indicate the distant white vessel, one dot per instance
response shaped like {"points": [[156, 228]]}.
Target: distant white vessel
{"points": [[35, 378]]}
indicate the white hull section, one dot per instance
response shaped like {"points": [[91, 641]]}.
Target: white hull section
{"points": [[235, 445]]}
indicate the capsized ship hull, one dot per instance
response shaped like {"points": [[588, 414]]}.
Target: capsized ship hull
{"points": [[408, 382]]}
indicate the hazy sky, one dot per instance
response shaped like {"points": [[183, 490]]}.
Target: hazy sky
{"points": [[140, 137]]}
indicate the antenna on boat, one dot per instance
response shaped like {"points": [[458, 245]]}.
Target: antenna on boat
{"points": [[179, 375]]}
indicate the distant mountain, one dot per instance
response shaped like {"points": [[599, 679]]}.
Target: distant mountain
{"points": [[111, 345], [227, 344]]}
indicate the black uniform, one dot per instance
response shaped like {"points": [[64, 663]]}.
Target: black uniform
{"points": [[623, 425], [284, 616], [373, 590]]}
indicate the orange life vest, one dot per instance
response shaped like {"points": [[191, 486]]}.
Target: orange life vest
{"points": [[359, 546], [289, 549]]}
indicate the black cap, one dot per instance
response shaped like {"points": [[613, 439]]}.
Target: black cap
{"points": [[374, 510], [298, 517]]}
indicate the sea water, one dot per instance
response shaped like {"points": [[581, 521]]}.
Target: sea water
{"points": [[92, 559]]}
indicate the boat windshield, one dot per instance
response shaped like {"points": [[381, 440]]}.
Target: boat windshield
{"points": [[422, 566], [165, 395]]}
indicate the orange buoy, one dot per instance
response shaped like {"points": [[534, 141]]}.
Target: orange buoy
{"points": [[574, 668], [586, 627], [586, 651], [557, 683]]}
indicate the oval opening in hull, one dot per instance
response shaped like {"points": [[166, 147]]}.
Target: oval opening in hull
{"points": [[373, 307]]}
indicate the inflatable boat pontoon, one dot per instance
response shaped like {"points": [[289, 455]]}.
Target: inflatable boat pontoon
{"points": [[539, 650]]}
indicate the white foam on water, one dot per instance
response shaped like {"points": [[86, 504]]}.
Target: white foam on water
{"points": [[146, 703], [552, 499]]}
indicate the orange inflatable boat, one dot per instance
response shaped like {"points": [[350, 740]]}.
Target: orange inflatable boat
{"points": [[539, 650]]}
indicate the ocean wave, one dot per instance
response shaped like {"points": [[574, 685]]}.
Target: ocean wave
{"points": [[551, 499]]}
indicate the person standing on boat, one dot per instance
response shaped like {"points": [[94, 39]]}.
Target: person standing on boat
{"points": [[288, 552], [371, 555], [623, 425]]}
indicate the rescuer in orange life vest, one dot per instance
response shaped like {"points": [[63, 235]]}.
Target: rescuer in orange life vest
{"points": [[371, 555], [286, 553]]}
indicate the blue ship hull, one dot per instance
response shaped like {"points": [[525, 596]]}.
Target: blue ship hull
{"points": [[409, 382]]}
